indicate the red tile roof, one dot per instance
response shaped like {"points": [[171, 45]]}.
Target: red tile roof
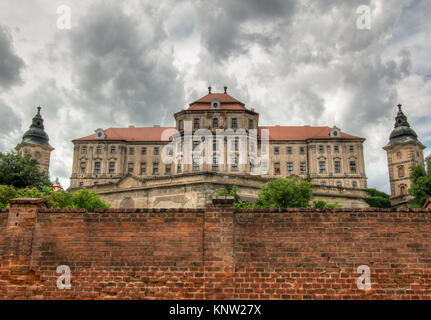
{"points": [[298, 133], [131, 134], [277, 133], [227, 102]]}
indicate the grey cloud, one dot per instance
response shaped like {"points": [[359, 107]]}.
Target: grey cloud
{"points": [[122, 68], [10, 64]]}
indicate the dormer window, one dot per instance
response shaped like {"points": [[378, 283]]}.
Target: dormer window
{"points": [[335, 132], [100, 134], [215, 104]]}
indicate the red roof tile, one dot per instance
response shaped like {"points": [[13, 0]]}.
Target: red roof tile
{"points": [[281, 133], [131, 134], [277, 133], [227, 102]]}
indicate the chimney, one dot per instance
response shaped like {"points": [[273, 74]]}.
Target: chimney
{"points": [[209, 90]]}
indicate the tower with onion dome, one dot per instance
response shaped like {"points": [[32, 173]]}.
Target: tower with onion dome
{"points": [[403, 150], [35, 143]]}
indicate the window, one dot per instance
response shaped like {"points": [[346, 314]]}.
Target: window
{"points": [[81, 184], [215, 123], [84, 150], [196, 166], [234, 164], [97, 168], [352, 148], [289, 150], [113, 150], [354, 184], [290, 167], [98, 149], [143, 151], [83, 167], [250, 124], [215, 164], [131, 151], [403, 189], [195, 145], [401, 171], [276, 150], [321, 149], [196, 123], [214, 145], [302, 150], [303, 167], [168, 169], [156, 151], [111, 167], [322, 166], [339, 184], [235, 144], [143, 168], [277, 168], [324, 183], [155, 169], [234, 123], [398, 155], [337, 166], [180, 125], [336, 149], [251, 166], [352, 166], [130, 168], [179, 166]]}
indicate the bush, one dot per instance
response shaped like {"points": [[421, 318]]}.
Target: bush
{"points": [[378, 199], [83, 199], [321, 204]]}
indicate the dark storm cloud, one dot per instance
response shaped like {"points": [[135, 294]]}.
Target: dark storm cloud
{"points": [[122, 68], [10, 63], [227, 27], [10, 126]]}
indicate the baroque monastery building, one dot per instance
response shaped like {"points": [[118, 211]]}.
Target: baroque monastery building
{"points": [[125, 165]]}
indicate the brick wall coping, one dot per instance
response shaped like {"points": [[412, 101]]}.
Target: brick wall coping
{"points": [[4, 210], [336, 210], [175, 210], [27, 201]]}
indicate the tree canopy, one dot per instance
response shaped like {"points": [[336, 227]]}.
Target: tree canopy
{"points": [[21, 172], [378, 199], [279, 193], [58, 200], [420, 188]]}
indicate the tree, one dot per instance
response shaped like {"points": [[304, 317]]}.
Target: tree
{"points": [[420, 188], [378, 199], [285, 193], [58, 200], [321, 204], [21, 172], [88, 200]]}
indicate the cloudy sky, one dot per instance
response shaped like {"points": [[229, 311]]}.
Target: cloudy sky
{"points": [[297, 62]]}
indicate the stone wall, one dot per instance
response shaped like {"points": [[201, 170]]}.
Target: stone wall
{"points": [[214, 253]]}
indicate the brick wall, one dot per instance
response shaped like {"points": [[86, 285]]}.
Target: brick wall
{"points": [[213, 253]]}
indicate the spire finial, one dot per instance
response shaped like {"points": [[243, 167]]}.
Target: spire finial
{"points": [[225, 89], [209, 89], [399, 106], [38, 110]]}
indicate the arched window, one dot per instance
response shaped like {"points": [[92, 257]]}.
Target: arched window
{"points": [[403, 189], [399, 155], [215, 123], [401, 172]]}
